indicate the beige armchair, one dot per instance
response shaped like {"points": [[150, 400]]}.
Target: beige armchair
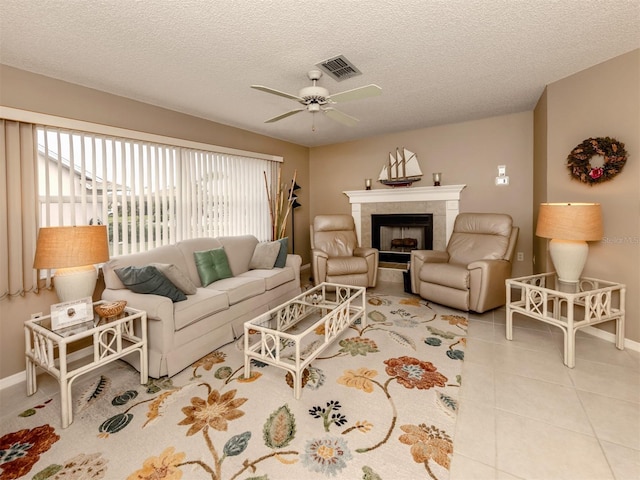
{"points": [[335, 255], [471, 273]]}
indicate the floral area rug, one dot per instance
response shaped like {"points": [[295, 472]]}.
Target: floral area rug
{"points": [[378, 404]]}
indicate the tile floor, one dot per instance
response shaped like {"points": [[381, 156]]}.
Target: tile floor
{"points": [[523, 414]]}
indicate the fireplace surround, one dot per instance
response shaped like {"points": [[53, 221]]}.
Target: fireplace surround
{"points": [[443, 202]]}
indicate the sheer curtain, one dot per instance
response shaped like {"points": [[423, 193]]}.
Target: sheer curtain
{"points": [[18, 209]]}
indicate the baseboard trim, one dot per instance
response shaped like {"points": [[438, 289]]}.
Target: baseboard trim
{"points": [[610, 337], [22, 376]]}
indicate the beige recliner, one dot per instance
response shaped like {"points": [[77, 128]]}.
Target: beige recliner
{"points": [[471, 273], [335, 255]]}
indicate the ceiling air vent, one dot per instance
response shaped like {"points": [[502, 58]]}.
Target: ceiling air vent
{"points": [[339, 68]]}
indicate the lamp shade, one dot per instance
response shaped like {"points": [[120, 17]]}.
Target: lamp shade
{"points": [[63, 247], [570, 221]]}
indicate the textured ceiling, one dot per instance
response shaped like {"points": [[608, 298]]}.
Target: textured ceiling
{"points": [[437, 61]]}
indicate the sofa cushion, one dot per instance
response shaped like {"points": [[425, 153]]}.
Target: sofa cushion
{"points": [[272, 278], [265, 255], [446, 274], [281, 261], [240, 288], [149, 280], [177, 277], [166, 254], [239, 250], [212, 265], [204, 303], [190, 245]]}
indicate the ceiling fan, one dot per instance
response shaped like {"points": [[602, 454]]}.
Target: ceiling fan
{"points": [[317, 99]]}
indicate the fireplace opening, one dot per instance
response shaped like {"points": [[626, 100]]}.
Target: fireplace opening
{"points": [[395, 235]]}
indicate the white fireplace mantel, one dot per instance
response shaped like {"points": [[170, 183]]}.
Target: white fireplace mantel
{"points": [[445, 193]]}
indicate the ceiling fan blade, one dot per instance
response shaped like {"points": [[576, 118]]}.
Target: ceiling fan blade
{"points": [[276, 92], [356, 94], [340, 117], [284, 115]]}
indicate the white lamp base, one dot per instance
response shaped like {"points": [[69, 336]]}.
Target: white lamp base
{"points": [[75, 283], [569, 258]]}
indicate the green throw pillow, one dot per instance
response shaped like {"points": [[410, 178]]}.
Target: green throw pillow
{"points": [[264, 255], [212, 265], [149, 280], [281, 261]]}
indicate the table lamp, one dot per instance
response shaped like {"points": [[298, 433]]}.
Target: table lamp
{"points": [[569, 226], [73, 253]]}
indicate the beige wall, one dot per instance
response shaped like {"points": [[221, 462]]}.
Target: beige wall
{"points": [[540, 254], [27, 91], [466, 153], [601, 101]]}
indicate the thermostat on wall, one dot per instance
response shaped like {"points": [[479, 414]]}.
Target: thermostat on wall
{"points": [[502, 178]]}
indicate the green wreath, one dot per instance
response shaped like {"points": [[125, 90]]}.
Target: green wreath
{"points": [[578, 161]]}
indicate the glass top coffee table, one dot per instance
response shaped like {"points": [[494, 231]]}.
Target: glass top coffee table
{"points": [[292, 335]]}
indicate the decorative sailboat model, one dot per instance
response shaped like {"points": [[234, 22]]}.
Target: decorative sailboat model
{"points": [[401, 170]]}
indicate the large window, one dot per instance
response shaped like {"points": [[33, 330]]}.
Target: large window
{"points": [[149, 194]]}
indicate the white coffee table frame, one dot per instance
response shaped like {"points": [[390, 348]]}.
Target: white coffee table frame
{"points": [[339, 307], [111, 341], [543, 297]]}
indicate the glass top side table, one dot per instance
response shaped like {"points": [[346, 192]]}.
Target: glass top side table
{"points": [[111, 340], [567, 306]]}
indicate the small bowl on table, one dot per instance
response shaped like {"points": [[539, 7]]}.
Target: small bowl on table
{"points": [[110, 310]]}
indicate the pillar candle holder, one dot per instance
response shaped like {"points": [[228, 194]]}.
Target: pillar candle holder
{"points": [[367, 183], [436, 179]]}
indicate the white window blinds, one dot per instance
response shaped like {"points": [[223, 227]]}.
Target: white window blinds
{"points": [[226, 195], [149, 194]]}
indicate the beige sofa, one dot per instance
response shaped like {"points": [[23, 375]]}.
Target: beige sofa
{"points": [[181, 333]]}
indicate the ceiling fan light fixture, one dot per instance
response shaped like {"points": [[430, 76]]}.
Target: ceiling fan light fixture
{"points": [[311, 95], [317, 99]]}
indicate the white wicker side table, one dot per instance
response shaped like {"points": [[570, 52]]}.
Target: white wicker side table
{"points": [[111, 340], [567, 306]]}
